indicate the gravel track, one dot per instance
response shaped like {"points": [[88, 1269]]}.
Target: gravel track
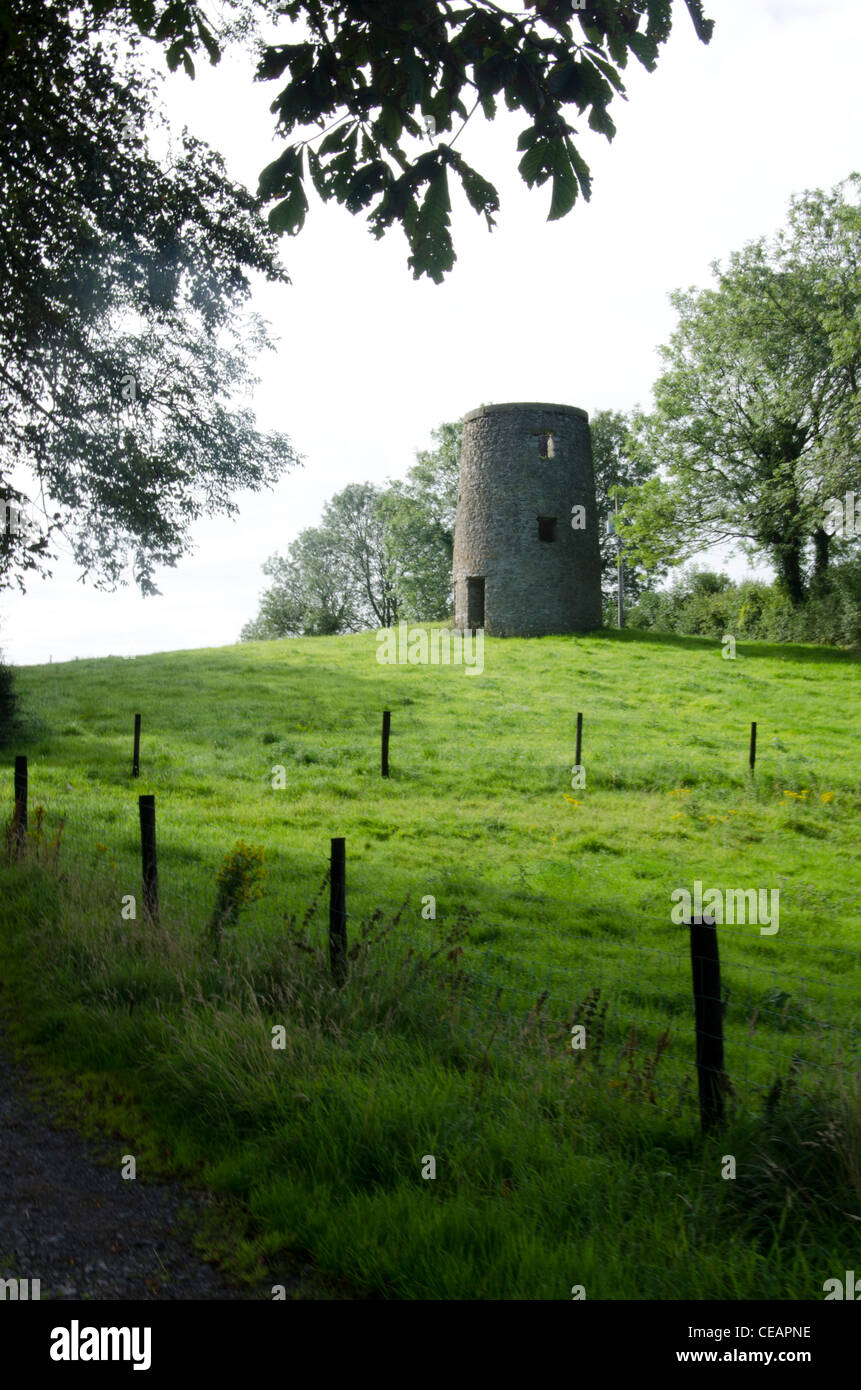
{"points": [[71, 1220]]}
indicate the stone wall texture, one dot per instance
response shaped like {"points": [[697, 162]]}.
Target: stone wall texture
{"points": [[532, 587]]}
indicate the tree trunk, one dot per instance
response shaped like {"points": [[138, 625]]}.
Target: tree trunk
{"points": [[790, 572], [822, 543]]}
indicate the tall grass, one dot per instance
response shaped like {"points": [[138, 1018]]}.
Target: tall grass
{"points": [[451, 1037]]}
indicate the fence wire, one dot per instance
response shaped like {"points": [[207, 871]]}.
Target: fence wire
{"points": [[634, 1000]]}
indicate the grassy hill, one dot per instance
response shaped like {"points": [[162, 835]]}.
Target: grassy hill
{"points": [[452, 1036]]}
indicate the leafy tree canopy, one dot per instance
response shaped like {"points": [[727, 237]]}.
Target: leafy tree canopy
{"points": [[757, 417], [419, 513], [124, 336], [375, 75], [335, 577], [380, 554], [312, 593], [616, 471]]}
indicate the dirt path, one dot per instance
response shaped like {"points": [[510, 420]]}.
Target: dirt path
{"points": [[86, 1233]]}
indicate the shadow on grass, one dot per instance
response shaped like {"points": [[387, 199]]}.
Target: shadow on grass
{"points": [[787, 651]]}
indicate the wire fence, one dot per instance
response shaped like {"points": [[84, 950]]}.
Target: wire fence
{"points": [[638, 1003], [664, 1021]]}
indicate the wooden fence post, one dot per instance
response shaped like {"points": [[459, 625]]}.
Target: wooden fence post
{"points": [[752, 746], [387, 727], [149, 860], [579, 740], [338, 911], [708, 1014], [136, 757], [21, 799]]}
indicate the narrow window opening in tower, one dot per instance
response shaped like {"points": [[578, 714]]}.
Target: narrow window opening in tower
{"points": [[545, 446], [547, 528]]}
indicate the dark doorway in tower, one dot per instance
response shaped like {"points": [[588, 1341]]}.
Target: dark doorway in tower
{"points": [[475, 603], [547, 528]]}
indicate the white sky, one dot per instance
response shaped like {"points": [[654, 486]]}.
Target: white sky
{"points": [[709, 149]]}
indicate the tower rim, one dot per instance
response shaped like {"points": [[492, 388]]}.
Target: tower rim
{"points": [[506, 407]]}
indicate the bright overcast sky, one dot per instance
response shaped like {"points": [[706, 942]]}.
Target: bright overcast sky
{"points": [[709, 149]]}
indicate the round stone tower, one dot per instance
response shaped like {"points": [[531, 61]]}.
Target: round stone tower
{"points": [[526, 559]]}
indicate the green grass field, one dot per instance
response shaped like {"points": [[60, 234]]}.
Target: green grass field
{"points": [[554, 1167]]}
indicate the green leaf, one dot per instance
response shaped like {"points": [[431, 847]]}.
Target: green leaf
{"points": [[392, 206], [436, 205], [482, 195], [289, 215], [565, 81], [278, 176], [645, 49], [277, 57], [209, 42], [488, 104], [415, 81], [704, 27], [595, 90], [143, 13], [440, 107], [528, 137], [365, 183], [565, 186], [317, 176], [429, 232], [389, 123], [538, 162], [660, 19], [176, 54], [581, 169], [338, 173], [336, 138], [601, 120], [608, 71]]}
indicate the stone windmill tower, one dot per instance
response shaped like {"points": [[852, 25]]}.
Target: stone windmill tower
{"points": [[521, 568]]}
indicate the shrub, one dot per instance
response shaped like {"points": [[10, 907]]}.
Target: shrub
{"points": [[701, 603], [238, 882]]}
